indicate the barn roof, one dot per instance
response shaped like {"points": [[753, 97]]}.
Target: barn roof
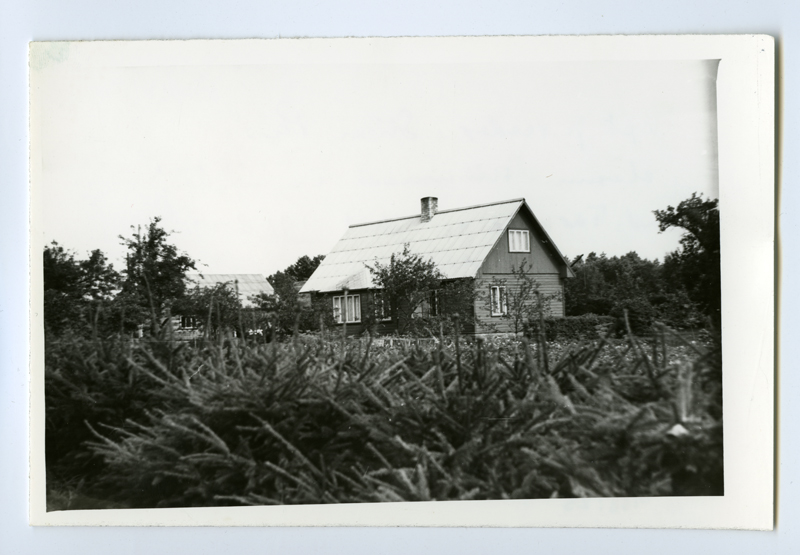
{"points": [[248, 284], [456, 240]]}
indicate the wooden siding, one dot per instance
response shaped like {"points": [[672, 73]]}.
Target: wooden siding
{"points": [[543, 264], [549, 284], [541, 259], [383, 327]]}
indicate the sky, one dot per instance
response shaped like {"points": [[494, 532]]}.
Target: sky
{"points": [[254, 162]]}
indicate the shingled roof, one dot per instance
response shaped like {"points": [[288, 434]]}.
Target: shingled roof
{"points": [[248, 284], [456, 240]]}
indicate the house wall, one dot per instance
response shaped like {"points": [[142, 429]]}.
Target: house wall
{"points": [[543, 264], [549, 284], [384, 327]]}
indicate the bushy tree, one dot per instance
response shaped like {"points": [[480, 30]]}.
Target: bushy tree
{"points": [[284, 310], [406, 283], [90, 297], [301, 270], [215, 309], [155, 272], [100, 280], [696, 264], [615, 285], [75, 290], [63, 291], [455, 303]]}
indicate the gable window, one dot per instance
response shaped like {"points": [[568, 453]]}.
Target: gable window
{"points": [[499, 303], [349, 306], [519, 240]]}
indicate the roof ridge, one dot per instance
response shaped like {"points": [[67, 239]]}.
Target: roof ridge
{"points": [[441, 212]]}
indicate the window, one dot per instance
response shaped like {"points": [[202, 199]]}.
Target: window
{"points": [[429, 306], [519, 240], [433, 303], [352, 310], [499, 305], [382, 311]]}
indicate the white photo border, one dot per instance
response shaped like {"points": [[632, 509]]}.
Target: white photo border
{"points": [[745, 93]]}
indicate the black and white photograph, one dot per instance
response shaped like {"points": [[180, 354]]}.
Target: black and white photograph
{"points": [[304, 272]]}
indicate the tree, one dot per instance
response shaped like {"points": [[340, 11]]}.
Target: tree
{"points": [[155, 271], [74, 290], [408, 283], [454, 298], [283, 305], [284, 308], [696, 264], [214, 308], [610, 286], [301, 270], [63, 290], [520, 301]]}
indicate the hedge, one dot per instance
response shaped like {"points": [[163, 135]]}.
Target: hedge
{"points": [[586, 326]]}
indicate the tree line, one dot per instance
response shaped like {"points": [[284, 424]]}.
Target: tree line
{"points": [[683, 291], [84, 297], [89, 296]]}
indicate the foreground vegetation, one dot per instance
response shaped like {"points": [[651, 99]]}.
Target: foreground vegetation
{"points": [[323, 420]]}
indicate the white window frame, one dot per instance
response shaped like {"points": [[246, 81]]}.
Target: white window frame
{"points": [[352, 308], [499, 300], [519, 240]]}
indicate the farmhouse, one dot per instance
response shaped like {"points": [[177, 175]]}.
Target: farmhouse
{"points": [[479, 243]]}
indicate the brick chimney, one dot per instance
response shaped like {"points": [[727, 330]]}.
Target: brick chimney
{"points": [[429, 207]]}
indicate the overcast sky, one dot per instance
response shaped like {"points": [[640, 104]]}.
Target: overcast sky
{"points": [[255, 164]]}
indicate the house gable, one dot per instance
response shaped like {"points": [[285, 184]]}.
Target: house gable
{"points": [[542, 259], [544, 263]]}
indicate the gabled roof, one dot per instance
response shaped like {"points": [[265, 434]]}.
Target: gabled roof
{"points": [[248, 284], [456, 240]]}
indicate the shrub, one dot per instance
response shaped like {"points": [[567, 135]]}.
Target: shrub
{"points": [[573, 328], [640, 313]]}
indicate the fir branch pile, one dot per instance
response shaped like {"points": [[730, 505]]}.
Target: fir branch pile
{"points": [[160, 423]]}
